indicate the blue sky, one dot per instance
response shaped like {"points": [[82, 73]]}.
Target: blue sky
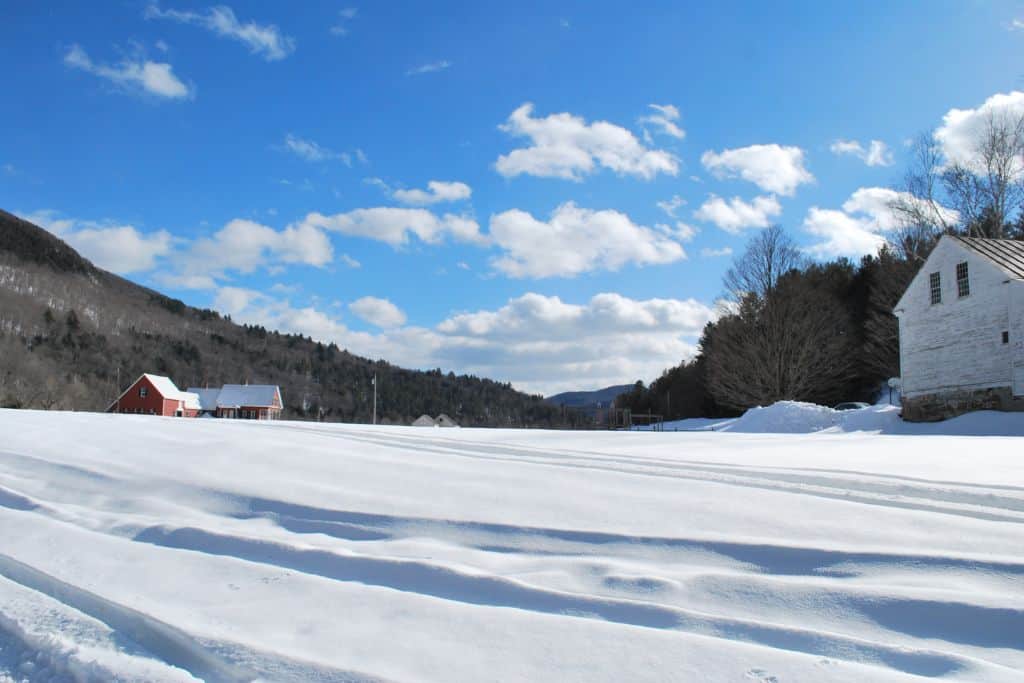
{"points": [[275, 163]]}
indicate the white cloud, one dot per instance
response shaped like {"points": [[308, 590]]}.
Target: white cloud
{"points": [[378, 183], [539, 343], [685, 232], [311, 151], [264, 40], [860, 227], [429, 68], [179, 281], [876, 154], [437, 191], [349, 261], [120, 249], [133, 75], [670, 206], [664, 119], [707, 252], [773, 168], [734, 215], [344, 17], [379, 312], [961, 129], [394, 225], [544, 344], [574, 241], [244, 246], [566, 146]]}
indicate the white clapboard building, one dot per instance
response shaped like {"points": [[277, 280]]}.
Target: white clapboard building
{"points": [[961, 325]]}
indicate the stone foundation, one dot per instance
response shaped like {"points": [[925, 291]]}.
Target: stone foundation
{"points": [[947, 404]]}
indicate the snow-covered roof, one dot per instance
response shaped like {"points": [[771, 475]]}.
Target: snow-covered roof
{"points": [[424, 421], [256, 395], [207, 397], [445, 421], [166, 388]]}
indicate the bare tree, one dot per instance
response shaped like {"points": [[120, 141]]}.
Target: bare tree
{"points": [[796, 348], [785, 338], [768, 256], [888, 277], [921, 216], [976, 194]]}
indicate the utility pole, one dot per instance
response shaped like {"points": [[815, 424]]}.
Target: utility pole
{"points": [[374, 383]]}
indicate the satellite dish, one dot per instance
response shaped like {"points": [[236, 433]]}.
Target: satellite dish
{"points": [[894, 382]]}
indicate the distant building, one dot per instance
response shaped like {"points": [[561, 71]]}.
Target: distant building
{"points": [[445, 421], [424, 421], [961, 330], [156, 395], [241, 401]]}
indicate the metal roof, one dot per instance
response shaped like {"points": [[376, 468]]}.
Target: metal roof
{"points": [[207, 397], [1007, 254]]}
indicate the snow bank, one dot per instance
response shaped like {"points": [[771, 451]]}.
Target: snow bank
{"points": [[794, 417], [785, 417]]}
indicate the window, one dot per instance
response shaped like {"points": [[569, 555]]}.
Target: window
{"points": [[143, 391], [935, 283], [1006, 337], [963, 285]]}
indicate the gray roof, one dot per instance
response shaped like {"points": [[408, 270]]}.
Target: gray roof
{"points": [[424, 421], [238, 395], [1007, 254], [207, 397]]}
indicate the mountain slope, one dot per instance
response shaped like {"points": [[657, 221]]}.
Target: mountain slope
{"points": [[589, 399], [72, 334]]}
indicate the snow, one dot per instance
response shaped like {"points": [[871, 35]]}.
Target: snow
{"points": [[147, 548], [794, 417]]}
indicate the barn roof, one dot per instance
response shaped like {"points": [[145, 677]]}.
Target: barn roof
{"points": [[166, 388], [255, 395], [1007, 254]]}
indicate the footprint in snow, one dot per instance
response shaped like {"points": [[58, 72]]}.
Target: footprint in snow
{"points": [[761, 676]]}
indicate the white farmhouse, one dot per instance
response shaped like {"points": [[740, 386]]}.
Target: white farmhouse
{"points": [[962, 330]]}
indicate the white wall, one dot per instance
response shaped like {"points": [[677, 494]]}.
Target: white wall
{"points": [[956, 344]]}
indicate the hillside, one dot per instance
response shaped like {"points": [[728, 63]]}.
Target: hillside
{"points": [[589, 400], [72, 333]]}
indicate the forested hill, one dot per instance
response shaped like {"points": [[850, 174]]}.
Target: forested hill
{"points": [[71, 334], [589, 400]]}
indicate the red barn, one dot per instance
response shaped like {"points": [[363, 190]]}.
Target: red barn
{"points": [[156, 395]]}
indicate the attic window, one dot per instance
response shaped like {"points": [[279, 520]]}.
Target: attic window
{"points": [[1006, 337], [143, 391], [935, 284], [963, 286]]}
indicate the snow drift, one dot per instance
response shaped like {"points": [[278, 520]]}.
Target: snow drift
{"points": [[795, 417]]}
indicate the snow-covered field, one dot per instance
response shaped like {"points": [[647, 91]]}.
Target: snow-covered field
{"points": [[141, 548]]}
